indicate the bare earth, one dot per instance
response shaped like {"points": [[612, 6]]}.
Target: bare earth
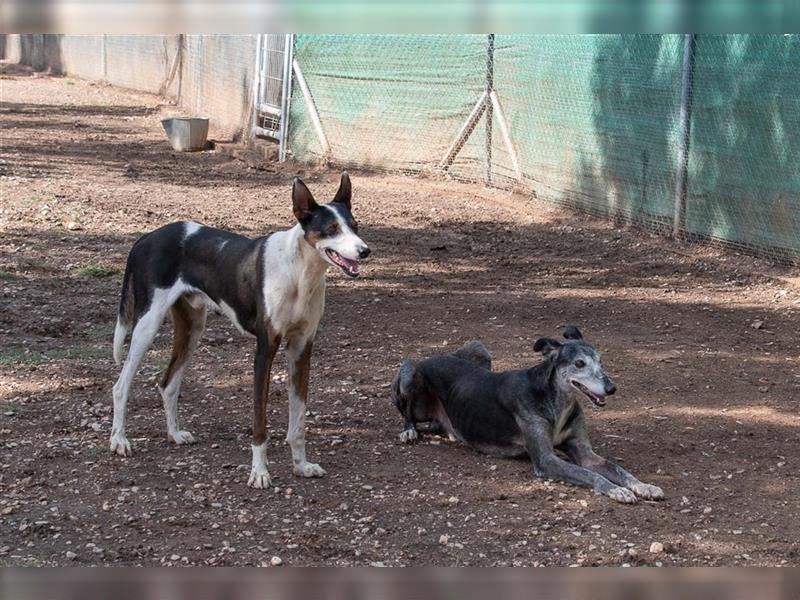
{"points": [[702, 344]]}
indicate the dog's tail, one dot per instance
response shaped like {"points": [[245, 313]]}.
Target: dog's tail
{"points": [[402, 383], [125, 313]]}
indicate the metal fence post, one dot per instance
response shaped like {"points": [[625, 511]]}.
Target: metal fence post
{"points": [[104, 58], [311, 108], [200, 73], [489, 88], [286, 96], [256, 85], [682, 158]]}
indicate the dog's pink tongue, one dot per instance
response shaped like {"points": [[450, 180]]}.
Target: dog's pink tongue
{"points": [[350, 264]]}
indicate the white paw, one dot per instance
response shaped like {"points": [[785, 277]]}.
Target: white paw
{"points": [[181, 437], [308, 469], [620, 494], [647, 491], [120, 445], [408, 436], [259, 479]]}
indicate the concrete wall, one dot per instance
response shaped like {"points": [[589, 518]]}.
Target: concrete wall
{"points": [[217, 78], [210, 75]]}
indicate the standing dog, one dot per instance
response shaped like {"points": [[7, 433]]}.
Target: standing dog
{"points": [[533, 411], [271, 287]]}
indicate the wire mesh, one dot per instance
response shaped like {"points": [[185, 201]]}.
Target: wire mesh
{"points": [[594, 122], [270, 85], [387, 101], [744, 160]]}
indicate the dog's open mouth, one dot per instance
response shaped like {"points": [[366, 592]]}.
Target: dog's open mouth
{"points": [[348, 267], [596, 399]]}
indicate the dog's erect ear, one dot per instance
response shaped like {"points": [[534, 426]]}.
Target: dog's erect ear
{"points": [[573, 333], [345, 191], [546, 346], [303, 203]]}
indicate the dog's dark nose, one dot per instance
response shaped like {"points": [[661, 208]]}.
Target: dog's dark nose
{"points": [[610, 388], [364, 252]]}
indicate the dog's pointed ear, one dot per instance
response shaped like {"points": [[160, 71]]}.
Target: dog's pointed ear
{"points": [[573, 333], [345, 191], [303, 203], [546, 346]]}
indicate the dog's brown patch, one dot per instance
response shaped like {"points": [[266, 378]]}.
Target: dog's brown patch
{"points": [[298, 327], [247, 284], [130, 309], [272, 340], [312, 237], [322, 228], [302, 370], [183, 318]]}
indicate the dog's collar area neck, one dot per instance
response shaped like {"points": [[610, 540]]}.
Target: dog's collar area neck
{"points": [[310, 253]]}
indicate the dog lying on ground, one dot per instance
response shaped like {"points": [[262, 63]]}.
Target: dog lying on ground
{"points": [[271, 287], [533, 411]]}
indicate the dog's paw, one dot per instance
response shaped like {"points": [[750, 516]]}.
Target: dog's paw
{"points": [[620, 494], [120, 445], [307, 469], [259, 479], [408, 436], [647, 491], [181, 437]]}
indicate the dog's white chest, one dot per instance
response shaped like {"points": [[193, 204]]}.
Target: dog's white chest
{"points": [[294, 313], [293, 292], [561, 428]]}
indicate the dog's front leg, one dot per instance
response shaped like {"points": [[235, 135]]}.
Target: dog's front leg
{"points": [[546, 463], [299, 369], [267, 343], [579, 449]]}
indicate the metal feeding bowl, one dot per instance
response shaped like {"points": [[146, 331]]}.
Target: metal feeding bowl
{"points": [[186, 134]]}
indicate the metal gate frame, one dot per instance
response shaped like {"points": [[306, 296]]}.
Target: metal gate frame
{"points": [[278, 115]]}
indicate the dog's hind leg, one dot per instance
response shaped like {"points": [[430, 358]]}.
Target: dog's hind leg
{"points": [[267, 343], [475, 352], [431, 428], [403, 396], [299, 355], [188, 323], [141, 338]]}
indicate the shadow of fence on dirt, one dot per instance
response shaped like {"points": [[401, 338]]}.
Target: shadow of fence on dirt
{"points": [[114, 144]]}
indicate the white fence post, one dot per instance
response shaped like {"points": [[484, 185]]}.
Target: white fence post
{"points": [[312, 110], [286, 96]]}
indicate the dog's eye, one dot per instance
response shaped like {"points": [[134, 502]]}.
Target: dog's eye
{"points": [[580, 363]]}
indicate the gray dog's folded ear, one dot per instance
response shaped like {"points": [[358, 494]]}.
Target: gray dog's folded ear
{"points": [[573, 333], [546, 345]]}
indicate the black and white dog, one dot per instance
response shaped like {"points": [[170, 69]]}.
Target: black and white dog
{"points": [[533, 411], [271, 287]]}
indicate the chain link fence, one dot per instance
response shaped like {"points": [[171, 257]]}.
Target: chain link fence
{"points": [[592, 122], [637, 128]]}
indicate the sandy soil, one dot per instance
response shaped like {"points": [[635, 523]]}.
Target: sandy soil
{"points": [[702, 344]]}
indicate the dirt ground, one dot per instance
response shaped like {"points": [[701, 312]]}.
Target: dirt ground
{"points": [[702, 344]]}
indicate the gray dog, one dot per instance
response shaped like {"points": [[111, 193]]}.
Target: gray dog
{"points": [[533, 411]]}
